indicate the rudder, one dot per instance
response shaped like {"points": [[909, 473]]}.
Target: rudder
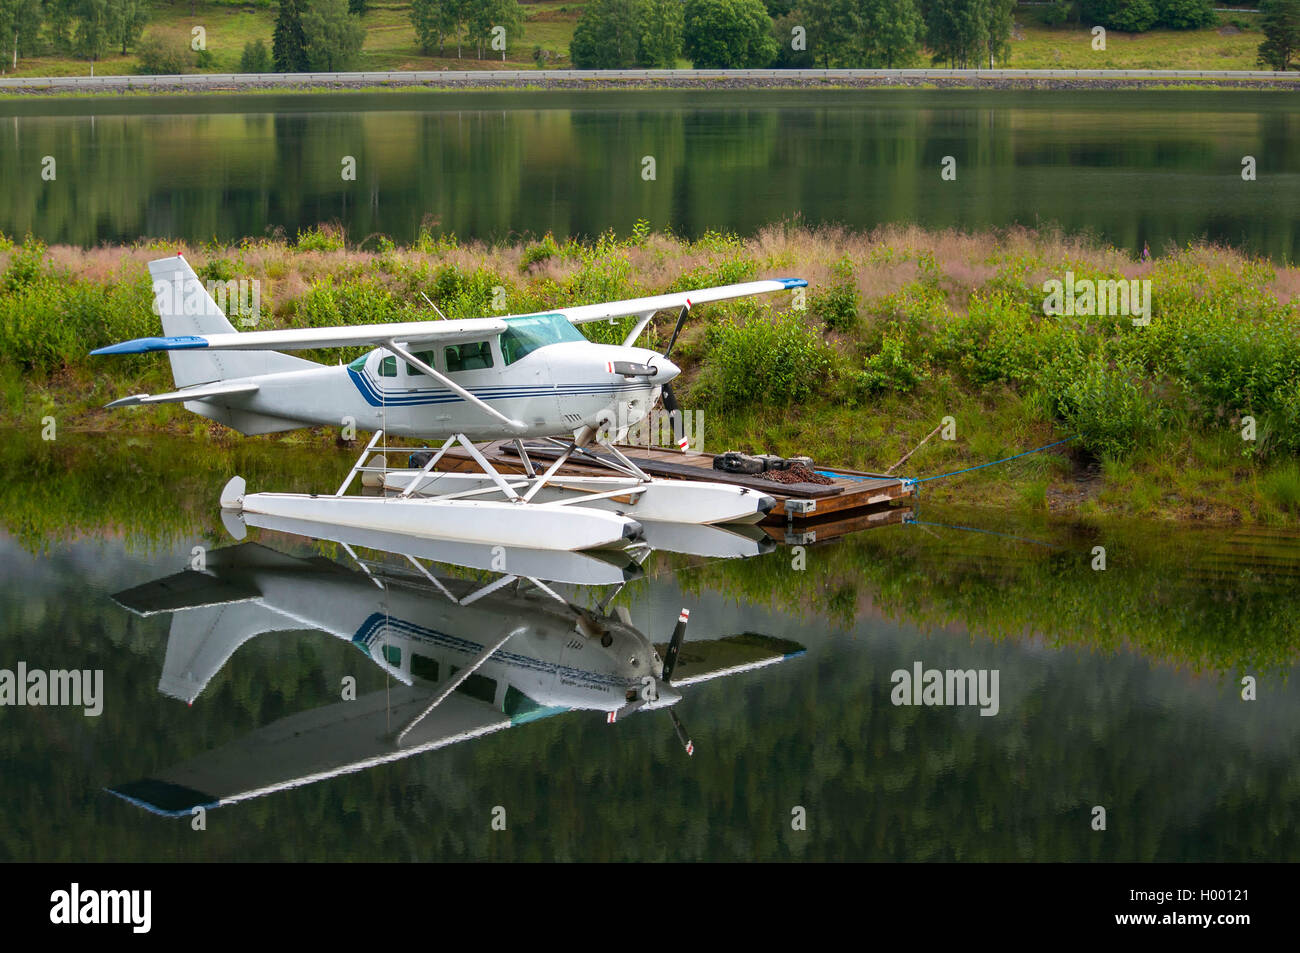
{"points": [[185, 307]]}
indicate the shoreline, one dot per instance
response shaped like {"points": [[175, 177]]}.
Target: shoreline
{"points": [[21, 87]]}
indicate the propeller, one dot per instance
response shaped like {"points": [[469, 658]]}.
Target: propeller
{"points": [[670, 399], [650, 691]]}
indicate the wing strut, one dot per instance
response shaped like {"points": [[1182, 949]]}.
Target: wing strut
{"points": [[459, 677], [517, 426]]}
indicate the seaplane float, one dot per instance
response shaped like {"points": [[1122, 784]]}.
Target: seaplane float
{"points": [[463, 659], [464, 381]]}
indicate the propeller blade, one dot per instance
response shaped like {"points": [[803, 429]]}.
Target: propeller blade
{"points": [[675, 645], [681, 319], [682, 736], [674, 416]]}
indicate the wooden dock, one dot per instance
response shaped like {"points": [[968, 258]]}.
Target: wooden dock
{"points": [[850, 494]]}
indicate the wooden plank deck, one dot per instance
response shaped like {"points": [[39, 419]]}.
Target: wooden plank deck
{"points": [[851, 491]]}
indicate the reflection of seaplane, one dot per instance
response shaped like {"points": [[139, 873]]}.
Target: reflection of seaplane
{"points": [[471, 659], [532, 375]]}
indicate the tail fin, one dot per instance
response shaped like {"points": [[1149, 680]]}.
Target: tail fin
{"points": [[186, 307]]}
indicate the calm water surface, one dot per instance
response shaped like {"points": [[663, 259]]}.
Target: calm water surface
{"points": [[1132, 167], [1118, 688]]}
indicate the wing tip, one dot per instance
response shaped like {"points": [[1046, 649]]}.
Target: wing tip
{"points": [[145, 345], [793, 282]]}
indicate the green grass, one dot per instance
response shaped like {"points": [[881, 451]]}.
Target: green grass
{"points": [[391, 44]]}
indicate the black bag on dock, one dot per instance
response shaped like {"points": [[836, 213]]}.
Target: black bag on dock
{"points": [[735, 462]]}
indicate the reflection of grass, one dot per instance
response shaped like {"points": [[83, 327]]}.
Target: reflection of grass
{"points": [[1208, 599]]}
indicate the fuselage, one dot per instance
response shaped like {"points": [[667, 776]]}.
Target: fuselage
{"points": [[550, 388]]}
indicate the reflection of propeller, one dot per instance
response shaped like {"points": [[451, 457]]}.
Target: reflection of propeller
{"points": [[654, 687], [670, 399]]}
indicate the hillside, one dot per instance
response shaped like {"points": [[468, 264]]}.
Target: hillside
{"points": [[391, 42]]}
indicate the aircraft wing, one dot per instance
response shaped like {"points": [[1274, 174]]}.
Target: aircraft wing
{"points": [[302, 339], [413, 333], [701, 660], [580, 314]]}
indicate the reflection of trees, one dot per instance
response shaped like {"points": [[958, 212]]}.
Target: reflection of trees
{"points": [[1185, 770], [488, 165]]}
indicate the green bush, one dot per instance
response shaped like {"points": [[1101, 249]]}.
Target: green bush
{"points": [[159, 58], [256, 58], [778, 361], [837, 306], [321, 238], [543, 250], [1111, 408], [890, 368]]}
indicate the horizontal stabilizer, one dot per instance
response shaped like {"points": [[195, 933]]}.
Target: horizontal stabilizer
{"points": [[202, 392], [184, 590]]}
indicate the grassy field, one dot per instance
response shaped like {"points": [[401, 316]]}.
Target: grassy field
{"points": [[391, 44], [900, 329]]}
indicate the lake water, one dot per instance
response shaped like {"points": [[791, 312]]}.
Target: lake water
{"points": [[1118, 688], [1132, 167]]}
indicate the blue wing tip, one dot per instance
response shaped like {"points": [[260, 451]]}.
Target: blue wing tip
{"points": [[144, 345], [793, 282]]}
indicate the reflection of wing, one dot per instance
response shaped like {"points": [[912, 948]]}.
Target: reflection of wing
{"points": [[423, 332], [700, 661], [312, 746]]}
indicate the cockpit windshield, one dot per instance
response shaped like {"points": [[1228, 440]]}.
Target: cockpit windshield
{"points": [[526, 334]]}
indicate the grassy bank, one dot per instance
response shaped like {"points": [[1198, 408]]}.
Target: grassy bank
{"points": [[549, 24], [900, 329]]}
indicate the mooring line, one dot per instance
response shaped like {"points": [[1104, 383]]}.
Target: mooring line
{"points": [[913, 482]]}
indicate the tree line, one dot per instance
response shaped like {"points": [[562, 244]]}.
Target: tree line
{"points": [[869, 34], [327, 35]]}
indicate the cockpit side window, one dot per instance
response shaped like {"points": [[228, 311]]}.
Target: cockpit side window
{"points": [[471, 356], [426, 356]]}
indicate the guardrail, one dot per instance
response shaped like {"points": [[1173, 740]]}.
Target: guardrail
{"points": [[454, 77]]}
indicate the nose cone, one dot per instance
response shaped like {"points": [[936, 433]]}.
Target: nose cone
{"points": [[667, 370]]}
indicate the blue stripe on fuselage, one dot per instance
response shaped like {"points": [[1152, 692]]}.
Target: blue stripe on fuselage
{"points": [[375, 396]]}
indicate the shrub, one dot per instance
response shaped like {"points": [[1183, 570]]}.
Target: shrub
{"points": [[543, 250], [890, 368], [1111, 408], [778, 361], [256, 58], [837, 306], [159, 58], [321, 238]]}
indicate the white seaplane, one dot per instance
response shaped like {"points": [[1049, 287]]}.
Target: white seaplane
{"points": [[459, 381]]}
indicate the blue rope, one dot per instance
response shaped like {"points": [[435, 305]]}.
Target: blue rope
{"points": [[983, 465]]}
